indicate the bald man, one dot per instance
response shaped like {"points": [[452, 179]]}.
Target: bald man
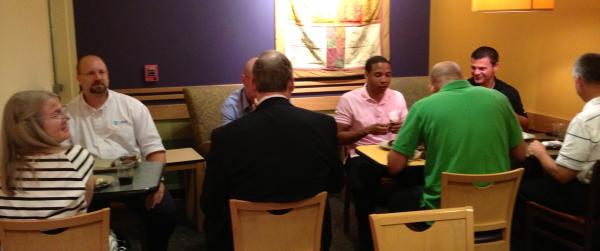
{"points": [[240, 102], [465, 129], [110, 125]]}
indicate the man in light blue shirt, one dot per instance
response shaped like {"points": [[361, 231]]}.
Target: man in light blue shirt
{"points": [[240, 102]]}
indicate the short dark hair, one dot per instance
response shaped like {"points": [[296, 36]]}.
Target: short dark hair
{"points": [[373, 60], [588, 67], [272, 71], [486, 51]]}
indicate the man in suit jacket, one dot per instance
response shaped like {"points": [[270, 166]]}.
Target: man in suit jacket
{"points": [[278, 153]]}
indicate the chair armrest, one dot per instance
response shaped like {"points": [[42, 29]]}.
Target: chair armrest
{"points": [[533, 206]]}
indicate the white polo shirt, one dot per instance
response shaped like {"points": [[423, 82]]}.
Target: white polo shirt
{"points": [[581, 148], [121, 126]]}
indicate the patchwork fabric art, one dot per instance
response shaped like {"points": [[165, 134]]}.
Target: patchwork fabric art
{"points": [[331, 38]]}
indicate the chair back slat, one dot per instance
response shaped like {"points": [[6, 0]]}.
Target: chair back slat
{"points": [[81, 232], [492, 197], [452, 229], [278, 226], [592, 213]]}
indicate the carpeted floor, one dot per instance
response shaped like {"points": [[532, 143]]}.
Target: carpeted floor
{"points": [[185, 238]]}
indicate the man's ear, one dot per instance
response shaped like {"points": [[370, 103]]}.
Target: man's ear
{"points": [[496, 67], [579, 83], [290, 86], [252, 85]]}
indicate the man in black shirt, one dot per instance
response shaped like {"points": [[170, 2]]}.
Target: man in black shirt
{"points": [[484, 64]]}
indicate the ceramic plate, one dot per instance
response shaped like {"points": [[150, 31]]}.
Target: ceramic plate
{"points": [[103, 181]]}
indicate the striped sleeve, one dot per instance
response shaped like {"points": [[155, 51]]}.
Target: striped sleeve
{"points": [[55, 188]]}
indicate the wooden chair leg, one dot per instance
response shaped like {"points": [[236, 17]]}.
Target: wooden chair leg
{"points": [[190, 192], [198, 181]]}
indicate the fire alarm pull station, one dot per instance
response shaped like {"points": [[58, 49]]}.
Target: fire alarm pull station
{"points": [[151, 73]]}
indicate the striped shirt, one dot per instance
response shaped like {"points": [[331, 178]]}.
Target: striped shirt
{"points": [[581, 148], [57, 189]]}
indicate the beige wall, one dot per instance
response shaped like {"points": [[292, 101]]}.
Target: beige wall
{"points": [[537, 49], [25, 49]]}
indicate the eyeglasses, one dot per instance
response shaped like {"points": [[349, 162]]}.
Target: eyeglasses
{"points": [[60, 114]]}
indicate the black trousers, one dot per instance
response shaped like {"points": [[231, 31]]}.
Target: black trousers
{"points": [[541, 188], [367, 192], [159, 222]]}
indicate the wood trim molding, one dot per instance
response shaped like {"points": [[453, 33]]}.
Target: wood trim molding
{"points": [[543, 123]]}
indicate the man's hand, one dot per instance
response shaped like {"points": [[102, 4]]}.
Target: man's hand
{"points": [[395, 127], [153, 199], [536, 149], [377, 129]]}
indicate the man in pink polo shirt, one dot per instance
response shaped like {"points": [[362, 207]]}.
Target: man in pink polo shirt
{"points": [[368, 115]]}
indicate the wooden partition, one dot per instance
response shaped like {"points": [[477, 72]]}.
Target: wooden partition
{"points": [[543, 123], [167, 103]]}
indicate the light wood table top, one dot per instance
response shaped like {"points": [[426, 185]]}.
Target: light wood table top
{"points": [[379, 155], [182, 155]]}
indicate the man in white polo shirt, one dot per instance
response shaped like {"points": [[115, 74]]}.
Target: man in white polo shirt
{"points": [[110, 125], [565, 187]]}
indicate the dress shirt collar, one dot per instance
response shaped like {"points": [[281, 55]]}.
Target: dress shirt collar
{"points": [[270, 96], [365, 95], [591, 103], [244, 104], [89, 107]]}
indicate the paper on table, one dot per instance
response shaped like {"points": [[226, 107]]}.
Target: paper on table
{"points": [[527, 136]]}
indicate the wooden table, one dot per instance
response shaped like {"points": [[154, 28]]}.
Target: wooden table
{"points": [[379, 155], [187, 159]]}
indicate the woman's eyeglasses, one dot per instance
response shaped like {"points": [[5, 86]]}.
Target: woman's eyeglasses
{"points": [[60, 114]]}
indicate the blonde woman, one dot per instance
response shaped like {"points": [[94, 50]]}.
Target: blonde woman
{"points": [[41, 179]]}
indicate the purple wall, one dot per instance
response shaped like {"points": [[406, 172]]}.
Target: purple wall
{"points": [[207, 42]]}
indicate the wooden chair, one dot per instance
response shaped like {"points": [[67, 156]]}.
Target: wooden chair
{"points": [[452, 229], [492, 197], [81, 232], [548, 223], [278, 226]]}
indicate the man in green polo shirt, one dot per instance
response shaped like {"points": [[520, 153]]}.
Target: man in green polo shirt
{"points": [[465, 129]]}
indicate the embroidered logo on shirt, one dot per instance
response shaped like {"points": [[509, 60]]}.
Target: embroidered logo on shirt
{"points": [[118, 122]]}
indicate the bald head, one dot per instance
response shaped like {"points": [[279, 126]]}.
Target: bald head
{"points": [[444, 72], [93, 78], [272, 72], [248, 66], [86, 59]]}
